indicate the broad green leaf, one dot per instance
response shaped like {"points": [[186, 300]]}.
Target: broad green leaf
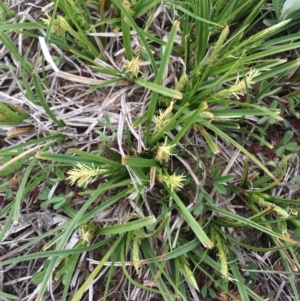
{"points": [[204, 291], [287, 136], [291, 146], [290, 10], [220, 188]]}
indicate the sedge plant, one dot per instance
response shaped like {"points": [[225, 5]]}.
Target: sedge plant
{"points": [[126, 99]]}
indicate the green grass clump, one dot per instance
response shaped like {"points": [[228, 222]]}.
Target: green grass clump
{"points": [[147, 118]]}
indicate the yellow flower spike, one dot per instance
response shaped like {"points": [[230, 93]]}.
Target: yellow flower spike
{"points": [[182, 82], [240, 86], [222, 252], [189, 275], [174, 181], [127, 5], [207, 115], [133, 67], [88, 231], [57, 27], [163, 118], [46, 20], [135, 255], [84, 174], [164, 152], [67, 27]]}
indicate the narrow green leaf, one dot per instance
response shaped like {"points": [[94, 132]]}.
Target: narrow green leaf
{"points": [[248, 222], [158, 88], [240, 147], [6, 10], [15, 150], [198, 231], [129, 226], [277, 5], [140, 32], [139, 162], [225, 179], [158, 81], [14, 52], [126, 36], [65, 159], [96, 270], [95, 158], [239, 279], [20, 26], [20, 193], [7, 297], [43, 100], [238, 113], [75, 222], [48, 254]]}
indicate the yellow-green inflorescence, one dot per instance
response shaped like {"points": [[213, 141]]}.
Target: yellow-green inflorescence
{"points": [[58, 26], [222, 251], [127, 5], [163, 118], [84, 174], [132, 68], [174, 181], [164, 152], [88, 231], [241, 85]]}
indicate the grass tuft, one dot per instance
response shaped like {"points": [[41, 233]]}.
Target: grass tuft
{"points": [[149, 151]]}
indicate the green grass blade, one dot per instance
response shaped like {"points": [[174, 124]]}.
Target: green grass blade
{"points": [[238, 279], [128, 226], [198, 231], [157, 88], [13, 50], [159, 78], [43, 101], [96, 270]]}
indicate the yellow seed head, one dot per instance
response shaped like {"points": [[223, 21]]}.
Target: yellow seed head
{"points": [[84, 174], [163, 118], [127, 5], [88, 231], [57, 25], [174, 181], [133, 67], [164, 152], [240, 86]]}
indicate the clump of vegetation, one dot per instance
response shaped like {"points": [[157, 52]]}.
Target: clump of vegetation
{"points": [[151, 150]]}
